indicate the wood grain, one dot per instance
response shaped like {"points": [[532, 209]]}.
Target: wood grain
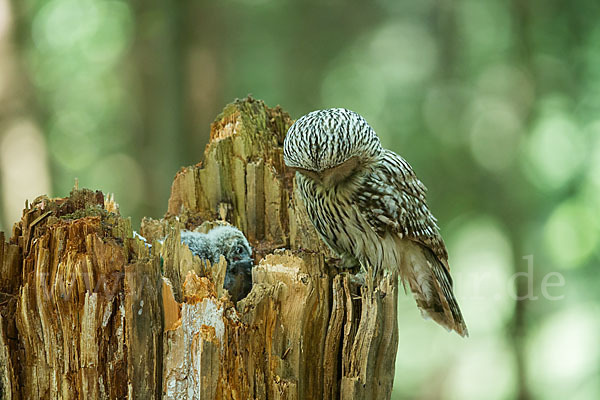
{"points": [[88, 311]]}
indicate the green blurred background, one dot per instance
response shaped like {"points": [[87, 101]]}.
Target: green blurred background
{"points": [[496, 104]]}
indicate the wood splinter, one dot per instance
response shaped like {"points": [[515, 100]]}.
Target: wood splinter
{"points": [[89, 311]]}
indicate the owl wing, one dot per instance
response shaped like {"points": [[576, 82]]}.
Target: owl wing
{"points": [[394, 200]]}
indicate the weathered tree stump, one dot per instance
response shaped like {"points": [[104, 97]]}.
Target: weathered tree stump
{"points": [[89, 311]]}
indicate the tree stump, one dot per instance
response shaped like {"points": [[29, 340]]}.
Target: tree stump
{"points": [[89, 311]]}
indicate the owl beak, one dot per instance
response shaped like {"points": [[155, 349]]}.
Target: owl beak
{"points": [[339, 173], [328, 177], [319, 177]]}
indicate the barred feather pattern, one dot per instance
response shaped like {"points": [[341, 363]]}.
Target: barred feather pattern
{"points": [[319, 133], [377, 213]]}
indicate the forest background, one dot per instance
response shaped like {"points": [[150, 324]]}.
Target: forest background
{"points": [[496, 104]]}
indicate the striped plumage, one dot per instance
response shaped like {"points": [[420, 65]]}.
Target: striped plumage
{"points": [[370, 208]]}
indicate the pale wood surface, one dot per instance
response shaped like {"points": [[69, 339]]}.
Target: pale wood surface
{"points": [[89, 312]]}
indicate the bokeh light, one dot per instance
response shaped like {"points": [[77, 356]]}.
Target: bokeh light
{"points": [[485, 32], [556, 150], [564, 352], [24, 168], [487, 362], [494, 104], [593, 172], [443, 108], [5, 17], [495, 133], [403, 53], [482, 265], [350, 86], [572, 233]]}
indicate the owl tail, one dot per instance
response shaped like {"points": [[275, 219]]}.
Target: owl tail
{"points": [[431, 286]]}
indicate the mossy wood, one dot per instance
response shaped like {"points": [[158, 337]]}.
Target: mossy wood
{"points": [[88, 311]]}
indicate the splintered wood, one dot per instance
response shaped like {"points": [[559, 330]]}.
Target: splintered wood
{"points": [[73, 333], [88, 311]]}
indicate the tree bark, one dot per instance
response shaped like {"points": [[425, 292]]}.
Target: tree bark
{"points": [[89, 311]]}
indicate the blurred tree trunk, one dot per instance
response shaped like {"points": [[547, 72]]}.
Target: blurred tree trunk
{"points": [[158, 79], [88, 311], [19, 131], [523, 51]]}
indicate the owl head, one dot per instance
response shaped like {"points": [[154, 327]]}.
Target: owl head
{"points": [[328, 146]]}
